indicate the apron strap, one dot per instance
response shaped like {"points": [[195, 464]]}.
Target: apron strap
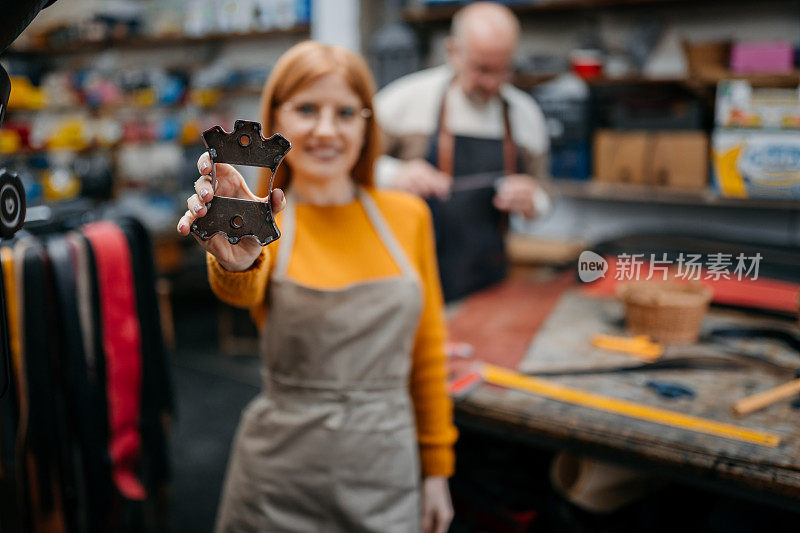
{"points": [[287, 236], [385, 233], [509, 147], [446, 140]]}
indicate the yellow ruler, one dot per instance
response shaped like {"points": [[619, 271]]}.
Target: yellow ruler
{"points": [[508, 378]]}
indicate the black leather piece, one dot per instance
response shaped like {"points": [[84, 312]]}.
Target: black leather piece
{"points": [[66, 473], [40, 438], [156, 384], [97, 372], [93, 473]]}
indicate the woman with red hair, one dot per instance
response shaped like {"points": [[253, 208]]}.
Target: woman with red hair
{"points": [[354, 423]]}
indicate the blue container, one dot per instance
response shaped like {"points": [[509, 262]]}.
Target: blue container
{"points": [[571, 160]]}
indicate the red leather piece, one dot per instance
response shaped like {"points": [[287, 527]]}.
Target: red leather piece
{"points": [[122, 347]]}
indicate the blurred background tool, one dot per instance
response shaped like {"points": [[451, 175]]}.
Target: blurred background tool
{"points": [[639, 346], [508, 378], [768, 397]]}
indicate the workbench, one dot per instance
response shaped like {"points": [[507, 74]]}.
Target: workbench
{"points": [[544, 320]]}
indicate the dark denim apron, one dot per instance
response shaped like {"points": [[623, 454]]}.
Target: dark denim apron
{"points": [[470, 232]]}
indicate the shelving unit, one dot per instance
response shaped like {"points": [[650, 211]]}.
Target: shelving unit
{"points": [[425, 18], [526, 80], [431, 21], [438, 14], [614, 192], [143, 52], [154, 42], [126, 106]]}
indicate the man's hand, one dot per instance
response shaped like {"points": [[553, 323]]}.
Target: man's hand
{"points": [[437, 509], [519, 193], [423, 179]]}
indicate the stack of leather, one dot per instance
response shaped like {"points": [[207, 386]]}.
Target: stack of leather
{"points": [[83, 422]]}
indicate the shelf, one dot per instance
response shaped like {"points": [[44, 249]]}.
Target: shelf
{"points": [[435, 14], [111, 109], [92, 148], [615, 192], [526, 80], [133, 43], [789, 79]]}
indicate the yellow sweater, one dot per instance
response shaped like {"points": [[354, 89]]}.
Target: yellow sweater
{"points": [[336, 246]]}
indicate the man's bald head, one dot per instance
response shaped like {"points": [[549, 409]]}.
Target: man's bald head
{"points": [[481, 47], [485, 21]]}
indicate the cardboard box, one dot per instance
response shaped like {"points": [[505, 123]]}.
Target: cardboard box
{"points": [[620, 156], [756, 164], [674, 159], [708, 60], [680, 160]]}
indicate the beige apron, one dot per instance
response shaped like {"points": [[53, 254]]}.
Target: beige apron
{"points": [[330, 445]]}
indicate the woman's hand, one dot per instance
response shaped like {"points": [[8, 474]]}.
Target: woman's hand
{"points": [[437, 509], [233, 257]]}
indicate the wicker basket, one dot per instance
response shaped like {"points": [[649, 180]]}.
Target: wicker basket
{"points": [[669, 312]]}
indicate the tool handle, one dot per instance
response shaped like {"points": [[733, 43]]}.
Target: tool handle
{"points": [[768, 397]]}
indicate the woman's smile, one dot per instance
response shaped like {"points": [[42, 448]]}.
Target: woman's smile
{"points": [[324, 153]]}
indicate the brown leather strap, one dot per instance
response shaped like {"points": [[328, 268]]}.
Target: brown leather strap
{"points": [[509, 148], [446, 141]]}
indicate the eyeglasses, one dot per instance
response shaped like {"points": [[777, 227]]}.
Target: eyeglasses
{"points": [[308, 115]]}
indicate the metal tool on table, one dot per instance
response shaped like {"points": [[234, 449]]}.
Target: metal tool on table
{"points": [[670, 389], [688, 362], [768, 397], [789, 338], [555, 391], [639, 346], [234, 217], [480, 180]]}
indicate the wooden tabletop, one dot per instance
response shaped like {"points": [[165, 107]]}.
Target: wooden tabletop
{"points": [[556, 333]]}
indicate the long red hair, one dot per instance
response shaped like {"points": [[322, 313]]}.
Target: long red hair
{"points": [[300, 66]]}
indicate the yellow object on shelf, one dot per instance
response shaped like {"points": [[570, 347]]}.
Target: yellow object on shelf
{"points": [[190, 132], [144, 97], [555, 391], [71, 134], [60, 184], [639, 346], [205, 97], [10, 141], [24, 95]]}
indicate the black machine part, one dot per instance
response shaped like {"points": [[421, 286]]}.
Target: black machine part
{"points": [[16, 15], [234, 217], [12, 204]]}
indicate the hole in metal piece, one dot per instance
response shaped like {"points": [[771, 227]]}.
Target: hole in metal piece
{"points": [[237, 222], [244, 140]]}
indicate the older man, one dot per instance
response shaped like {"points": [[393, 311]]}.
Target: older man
{"points": [[462, 137]]}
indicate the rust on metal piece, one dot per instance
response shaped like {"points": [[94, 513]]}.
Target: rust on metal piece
{"points": [[234, 217]]}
